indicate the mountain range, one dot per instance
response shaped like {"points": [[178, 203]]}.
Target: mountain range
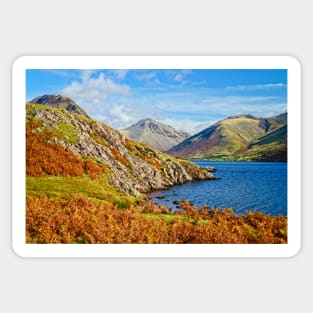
{"points": [[155, 134], [242, 137]]}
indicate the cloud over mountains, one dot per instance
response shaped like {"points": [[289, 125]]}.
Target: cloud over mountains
{"points": [[186, 99]]}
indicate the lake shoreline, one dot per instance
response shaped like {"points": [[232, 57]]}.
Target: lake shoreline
{"points": [[242, 185]]}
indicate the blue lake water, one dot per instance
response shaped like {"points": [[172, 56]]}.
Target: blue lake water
{"points": [[244, 186]]}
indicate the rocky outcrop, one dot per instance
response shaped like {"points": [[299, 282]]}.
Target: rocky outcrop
{"points": [[135, 168]]}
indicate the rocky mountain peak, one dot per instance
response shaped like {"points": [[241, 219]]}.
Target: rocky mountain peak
{"points": [[155, 134], [56, 100]]}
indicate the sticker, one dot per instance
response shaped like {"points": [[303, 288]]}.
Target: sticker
{"points": [[156, 156]]}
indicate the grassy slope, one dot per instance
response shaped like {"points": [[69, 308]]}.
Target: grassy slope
{"points": [[278, 121], [237, 133], [278, 135], [271, 152], [270, 147], [58, 187]]}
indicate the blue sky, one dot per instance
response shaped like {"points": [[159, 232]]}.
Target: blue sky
{"points": [[188, 100]]}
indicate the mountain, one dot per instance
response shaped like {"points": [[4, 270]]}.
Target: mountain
{"points": [[277, 121], [70, 153], [278, 135], [59, 101], [155, 134], [270, 147], [234, 138], [223, 138]]}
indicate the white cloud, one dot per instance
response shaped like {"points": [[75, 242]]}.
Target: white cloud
{"points": [[177, 75], [146, 76], [186, 115], [105, 98], [95, 88], [187, 125], [93, 93], [241, 105], [260, 110], [109, 101], [120, 116], [120, 74], [225, 105], [63, 73], [200, 83], [255, 87], [186, 72]]}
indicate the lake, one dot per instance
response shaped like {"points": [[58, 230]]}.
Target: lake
{"points": [[243, 186]]}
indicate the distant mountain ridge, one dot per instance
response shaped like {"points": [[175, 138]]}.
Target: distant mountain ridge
{"points": [[237, 138], [155, 134]]}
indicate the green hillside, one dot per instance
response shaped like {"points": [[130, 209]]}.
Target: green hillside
{"points": [[237, 138], [270, 147], [278, 135]]}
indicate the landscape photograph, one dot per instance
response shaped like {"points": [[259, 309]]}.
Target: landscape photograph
{"points": [[156, 156]]}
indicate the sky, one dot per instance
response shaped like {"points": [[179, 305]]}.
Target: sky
{"points": [[188, 100]]}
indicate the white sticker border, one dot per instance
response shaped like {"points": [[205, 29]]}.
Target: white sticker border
{"points": [[156, 250]]}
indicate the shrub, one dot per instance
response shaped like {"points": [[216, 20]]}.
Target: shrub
{"points": [[94, 170]]}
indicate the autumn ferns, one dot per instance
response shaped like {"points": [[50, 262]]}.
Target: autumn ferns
{"points": [[79, 220], [44, 157]]}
